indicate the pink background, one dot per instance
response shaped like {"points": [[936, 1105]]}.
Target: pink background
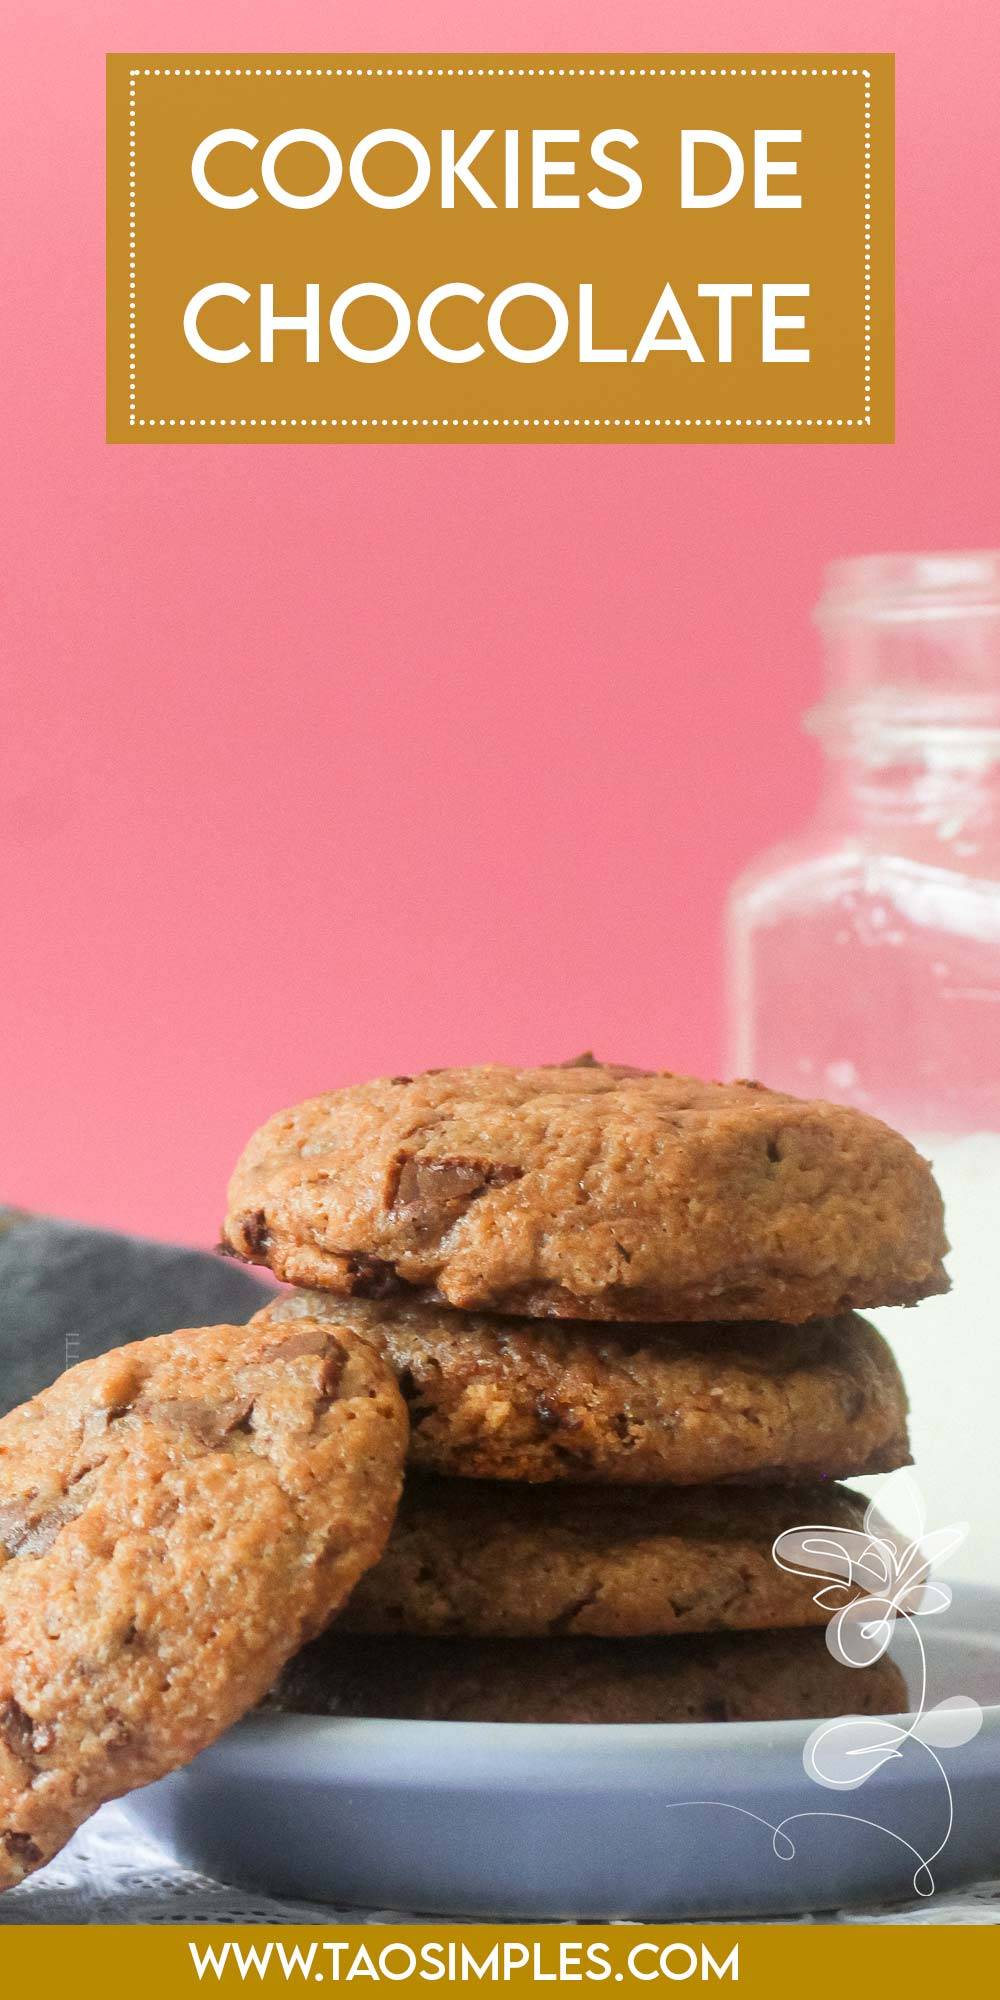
{"points": [[319, 763]]}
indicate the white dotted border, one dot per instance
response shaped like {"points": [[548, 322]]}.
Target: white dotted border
{"points": [[486, 423], [508, 71], [493, 423], [131, 244]]}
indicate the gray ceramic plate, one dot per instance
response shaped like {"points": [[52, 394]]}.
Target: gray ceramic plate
{"points": [[531, 1820]]}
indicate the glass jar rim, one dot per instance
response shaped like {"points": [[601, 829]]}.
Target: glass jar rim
{"points": [[904, 587]]}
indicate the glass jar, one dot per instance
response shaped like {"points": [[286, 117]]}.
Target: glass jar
{"points": [[864, 964]]}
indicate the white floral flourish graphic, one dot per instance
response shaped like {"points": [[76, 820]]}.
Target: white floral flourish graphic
{"points": [[871, 1577]]}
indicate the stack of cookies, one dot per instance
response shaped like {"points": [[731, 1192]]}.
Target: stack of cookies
{"points": [[620, 1307]]}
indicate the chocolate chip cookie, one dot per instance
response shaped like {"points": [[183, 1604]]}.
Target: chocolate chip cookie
{"points": [[745, 1677], [533, 1561], [494, 1398], [175, 1519], [590, 1191]]}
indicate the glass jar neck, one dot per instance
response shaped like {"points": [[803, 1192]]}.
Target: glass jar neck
{"points": [[910, 718], [945, 779]]}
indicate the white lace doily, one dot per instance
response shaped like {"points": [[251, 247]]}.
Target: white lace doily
{"points": [[112, 1873]]}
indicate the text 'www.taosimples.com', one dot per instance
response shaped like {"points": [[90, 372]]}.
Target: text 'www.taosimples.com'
{"points": [[565, 1961]]}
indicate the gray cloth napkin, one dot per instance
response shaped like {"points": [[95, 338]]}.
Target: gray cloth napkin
{"points": [[67, 1293]]}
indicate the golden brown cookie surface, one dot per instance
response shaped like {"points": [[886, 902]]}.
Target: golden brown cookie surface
{"points": [[175, 1518], [590, 1192], [613, 1562], [726, 1677], [495, 1398]]}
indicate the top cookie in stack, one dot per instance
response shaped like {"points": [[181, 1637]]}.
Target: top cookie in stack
{"points": [[723, 1234], [589, 1191]]}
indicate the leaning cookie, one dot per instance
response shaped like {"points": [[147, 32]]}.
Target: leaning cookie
{"points": [[175, 1519], [728, 1677], [543, 1561], [494, 1398], [588, 1191]]}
